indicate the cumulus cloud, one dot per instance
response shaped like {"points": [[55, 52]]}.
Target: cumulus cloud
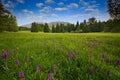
{"points": [[93, 1], [20, 1], [42, 17], [61, 9], [83, 2], [28, 12], [49, 1], [61, 3], [77, 16], [10, 4], [39, 4], [54, 15], [73, 5], [92, 9], [45, 10]]}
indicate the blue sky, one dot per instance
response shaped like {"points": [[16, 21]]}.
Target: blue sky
{"points": [[27, 11]]}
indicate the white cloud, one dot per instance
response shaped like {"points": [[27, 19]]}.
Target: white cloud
{"points": [[42, 17], [20, 1], [54, 15], [61, 9], [28, 12], [73, 5], [45, 10], [10, 4], [77, 16], [84, 2], [39, 4], [61, 3], [93, 1], [89, 9], [49, 1]]}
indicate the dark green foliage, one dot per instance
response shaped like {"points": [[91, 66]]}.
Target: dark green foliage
{"points": [[114, 25], [92, 20], [114, 8], [58, 28], [53, 29], [7, 20], [34, 27], [46, 28], [24, 28], [77, 27]]}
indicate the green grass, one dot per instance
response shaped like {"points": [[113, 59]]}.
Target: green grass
{"points": [[47, 49]]}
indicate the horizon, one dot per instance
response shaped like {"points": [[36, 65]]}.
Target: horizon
{"points": [[47, 11]]}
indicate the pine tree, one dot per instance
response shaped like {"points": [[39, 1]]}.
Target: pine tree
{"points": [[53, 29], [77, 27], [46, 28], [7, 20], [57, 28], [34, 27], [114, 8]]}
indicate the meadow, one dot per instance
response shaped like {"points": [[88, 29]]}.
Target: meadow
{"points": [[59, 56]]}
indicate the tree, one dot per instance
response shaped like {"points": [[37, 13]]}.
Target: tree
{"points": [[53, 29], [57, 28], [34, 27], [46, 28], [7, 20], [77, 27], [114, 8], [85, 27], [92, 20]]}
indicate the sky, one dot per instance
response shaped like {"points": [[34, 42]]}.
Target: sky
{"points": [[28, 11]]}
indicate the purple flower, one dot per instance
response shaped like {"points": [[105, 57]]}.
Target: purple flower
{"points": [[55, 66], [39, 68], [26, 59], [103, 55], [4, 55], [49, 76], [108, 73], [21, 74], [17, 62], [69, 55], [118, 63], [91, 71], [54, 69], [108, 60]]}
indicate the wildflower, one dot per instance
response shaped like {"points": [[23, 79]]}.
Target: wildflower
{"points": [[103, 55], [108, 73], [91, 71], [4, 55], [17, 62], [108, 60], [39, 68], [49, 76], [27, 59], [69, 55], [54, 69], [21, 74], [118, 63]]}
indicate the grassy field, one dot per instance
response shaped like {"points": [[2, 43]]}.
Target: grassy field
{"points": [[46, 56]]}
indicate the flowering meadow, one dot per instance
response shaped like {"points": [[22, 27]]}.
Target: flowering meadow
{"points": [[65, 56]]}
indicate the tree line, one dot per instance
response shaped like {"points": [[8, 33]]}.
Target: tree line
{"points": [[91, 26]]}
